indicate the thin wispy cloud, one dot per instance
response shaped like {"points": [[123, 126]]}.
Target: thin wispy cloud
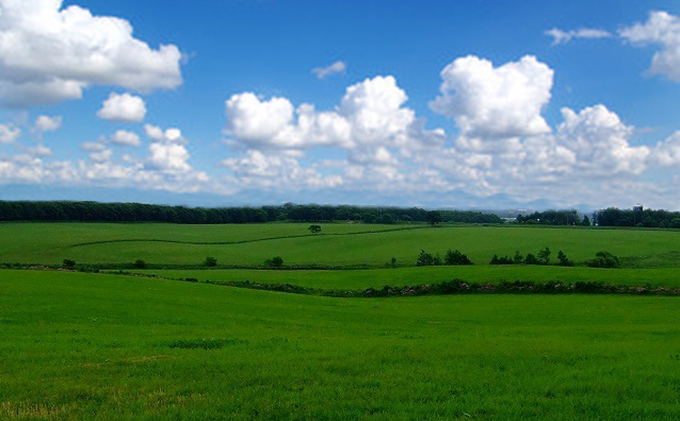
{"points": [[560, 36], [339, 67]]}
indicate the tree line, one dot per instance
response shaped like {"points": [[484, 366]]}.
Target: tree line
{"points": [[554, 217], [648, 218], [610, 217], [137, 212]]}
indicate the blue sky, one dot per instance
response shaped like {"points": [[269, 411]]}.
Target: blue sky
{"points": [[469, 103]]}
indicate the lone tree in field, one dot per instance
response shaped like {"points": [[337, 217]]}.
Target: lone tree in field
{"points": [[275, 262], [433, 218], [210, 262], [314, 229], [69, 264]]}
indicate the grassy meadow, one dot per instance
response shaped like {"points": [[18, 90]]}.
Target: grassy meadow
{"points": [[106, 346], [101, 347], [339, 244]]}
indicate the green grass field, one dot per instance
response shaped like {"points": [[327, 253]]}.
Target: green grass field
{"points": [[100, 347], [88, 346], [339, 244]]}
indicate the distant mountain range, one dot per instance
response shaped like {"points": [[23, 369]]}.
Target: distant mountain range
{"points": [[500, 204]]}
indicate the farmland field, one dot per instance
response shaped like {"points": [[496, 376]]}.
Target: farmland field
{"points": [[105, 346], [338, 244]]}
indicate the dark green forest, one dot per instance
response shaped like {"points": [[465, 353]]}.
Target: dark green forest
{"points": [[137, 212]]}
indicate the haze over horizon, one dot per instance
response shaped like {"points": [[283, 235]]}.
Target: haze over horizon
{"points": [[475, 104]]}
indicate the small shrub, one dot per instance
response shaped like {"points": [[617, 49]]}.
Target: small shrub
{"points": [[140, 264], [393, 262], [275, 262], [425, 259], [314, 229], [210, 262], [544, 256], [517, 258], [563, 259], [69, 264], [531, 260], [456, 258], [504, 260], [604, 259]]}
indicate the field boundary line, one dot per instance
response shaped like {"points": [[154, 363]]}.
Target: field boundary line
{"points": [[224, 243]]}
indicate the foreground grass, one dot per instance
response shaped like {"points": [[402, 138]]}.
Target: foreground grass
{"points": [[99, 347], [377, 278]]}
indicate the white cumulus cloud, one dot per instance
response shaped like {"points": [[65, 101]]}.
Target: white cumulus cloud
{"points": [[50, 54], [46, 123], [667, 153], [169, 157], [490, 102], [600, 141], [123, 108], [662, 29], [125, 138], [171, 135], [9, 133], [370, 113]]}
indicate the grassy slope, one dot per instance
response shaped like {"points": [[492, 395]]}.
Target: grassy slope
{"points": [[95, 347], [51, 243], [362, 279]]}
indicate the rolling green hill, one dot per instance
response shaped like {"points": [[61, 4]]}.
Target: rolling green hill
{"points": [[102, 347]]}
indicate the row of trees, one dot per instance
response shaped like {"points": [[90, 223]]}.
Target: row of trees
{"points": [[452, 257], [610, 217], [137, 212], [613, 217], [540, 258], [554, 217]]}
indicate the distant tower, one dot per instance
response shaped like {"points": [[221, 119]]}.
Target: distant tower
{"points": [[636, 210]]}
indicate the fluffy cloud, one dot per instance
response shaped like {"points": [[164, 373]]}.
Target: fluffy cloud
{"points": [[336, 68], [259, 170], [125, 138], [668, 153], [9, 133], [600, 141], [49, 54], [168, 152], [564, 37], [123, 108], [169, 157], [370, 113], [171, 135], [45, 123], [490, 102], [371, 124], [661, 29]]}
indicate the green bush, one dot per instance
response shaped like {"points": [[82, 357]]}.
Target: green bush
{"points": [[504, 260], [69, 264], [275, 262], [140, 264], [563, 259], [604, 259], [210, 262], [531, 260], [456, 258]]}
